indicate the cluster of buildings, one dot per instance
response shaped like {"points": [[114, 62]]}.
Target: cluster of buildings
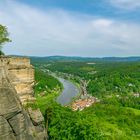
{"points": [[83, 103], [85, 99]]}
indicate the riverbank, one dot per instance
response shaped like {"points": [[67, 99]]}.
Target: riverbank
{"points": [[70, 91], [72, 96]]}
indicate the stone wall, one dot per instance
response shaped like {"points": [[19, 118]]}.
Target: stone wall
{"points": [[16, 82]]}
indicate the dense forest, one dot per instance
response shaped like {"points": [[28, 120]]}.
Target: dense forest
{"points": [[43, 85], [115, 117]]}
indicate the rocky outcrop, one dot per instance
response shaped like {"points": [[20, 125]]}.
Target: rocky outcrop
{"points": [[21, 74], [15, 122]]}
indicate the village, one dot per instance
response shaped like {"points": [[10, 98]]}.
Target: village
{"points": [[85, 100], [83, 103]]}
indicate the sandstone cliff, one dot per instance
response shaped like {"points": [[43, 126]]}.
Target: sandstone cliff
{"points": [[21, 74], [16, 88]]}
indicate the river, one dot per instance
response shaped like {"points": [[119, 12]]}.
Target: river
{"points": [[69, 92]]}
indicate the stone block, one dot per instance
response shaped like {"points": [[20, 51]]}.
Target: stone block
{"points": [[18, 124], [6, 132]]}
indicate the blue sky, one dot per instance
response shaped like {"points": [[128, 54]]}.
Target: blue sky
{"points": [[91, 7], [94, 28]]}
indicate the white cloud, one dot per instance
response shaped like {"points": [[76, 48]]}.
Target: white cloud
{"points": [[102, 22], [58, 32], [126, 4]]}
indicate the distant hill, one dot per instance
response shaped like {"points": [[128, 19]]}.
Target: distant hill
{"points": [[85, 59], [121, 58]]}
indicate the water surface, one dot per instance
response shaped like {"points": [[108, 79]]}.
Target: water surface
{"points": [[69, 92]]}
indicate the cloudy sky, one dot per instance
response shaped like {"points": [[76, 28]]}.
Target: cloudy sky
{"points": [[94, 28]]}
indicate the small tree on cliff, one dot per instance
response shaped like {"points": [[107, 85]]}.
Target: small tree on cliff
{"points": [[3, 37]]}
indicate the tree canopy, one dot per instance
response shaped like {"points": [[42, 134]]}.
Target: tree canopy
{"points": [[3, 37]]}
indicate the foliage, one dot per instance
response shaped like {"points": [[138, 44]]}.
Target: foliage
{"points": [[45, 82], [99, 122], [106, 78], [3, 37], [116, 117]]}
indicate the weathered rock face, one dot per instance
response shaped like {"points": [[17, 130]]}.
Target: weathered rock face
{"points": [[16, 81], [21, 74]]}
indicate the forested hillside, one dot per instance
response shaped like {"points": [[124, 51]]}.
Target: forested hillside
{"points": [[45, 82], [115, 117]]}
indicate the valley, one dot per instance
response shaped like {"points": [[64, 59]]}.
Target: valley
{"points": [[114, 85], [69, 70]]}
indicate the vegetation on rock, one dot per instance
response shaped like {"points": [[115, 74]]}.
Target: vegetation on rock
{"points": [[3, 37]]}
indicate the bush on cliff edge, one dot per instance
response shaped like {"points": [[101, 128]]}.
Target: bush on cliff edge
{"points": [[3, 37]]}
